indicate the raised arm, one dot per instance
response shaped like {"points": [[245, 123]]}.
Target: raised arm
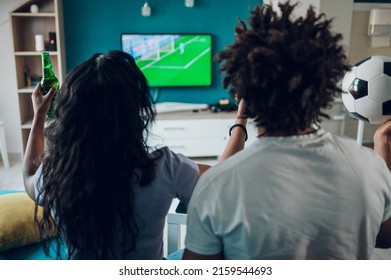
{"points": [[382, 145], [35, 143], [238, 133], [236, 141]]}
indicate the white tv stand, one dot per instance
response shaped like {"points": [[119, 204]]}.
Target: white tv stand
{"points": [[194, 133], [201, 133]]}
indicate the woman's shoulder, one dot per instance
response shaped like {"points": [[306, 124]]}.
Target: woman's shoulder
{"points": [[165, 156]]}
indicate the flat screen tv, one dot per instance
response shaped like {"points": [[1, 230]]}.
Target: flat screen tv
{"points": [[172, 60]]}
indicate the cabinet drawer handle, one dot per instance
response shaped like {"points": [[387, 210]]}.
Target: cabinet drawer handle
{"points": [[177, 146], [173, 128], [339, 118]]}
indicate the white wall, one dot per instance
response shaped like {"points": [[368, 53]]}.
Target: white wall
{"points": [[340, 10], [342, 13], [9, 107], [301, 9]]}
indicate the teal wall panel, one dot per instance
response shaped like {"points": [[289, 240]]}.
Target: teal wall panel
{"points": [[92, 26]]}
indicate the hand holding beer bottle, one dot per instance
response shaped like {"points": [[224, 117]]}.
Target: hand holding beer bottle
{"points": [[49, 80]]}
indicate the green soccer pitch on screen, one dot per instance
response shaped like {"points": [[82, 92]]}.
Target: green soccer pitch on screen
{"points": [[172, 60]]}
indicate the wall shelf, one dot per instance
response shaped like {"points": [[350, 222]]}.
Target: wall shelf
{"points": [[31, 15], [33, 53]]}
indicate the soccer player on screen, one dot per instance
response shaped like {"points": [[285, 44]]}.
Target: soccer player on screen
{"points": [[181, 48]]}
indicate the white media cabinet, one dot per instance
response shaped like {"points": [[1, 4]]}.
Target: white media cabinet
{"points": [[195, 134], [205, 134]]}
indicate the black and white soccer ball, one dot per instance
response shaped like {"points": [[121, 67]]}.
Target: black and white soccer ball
{"points": [[366, 90]]}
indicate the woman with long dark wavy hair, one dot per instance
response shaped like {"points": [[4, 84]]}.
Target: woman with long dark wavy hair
{"points": [[101, 188]]}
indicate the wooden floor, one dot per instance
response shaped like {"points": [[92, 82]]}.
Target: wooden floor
{"points": [[12, 179]]}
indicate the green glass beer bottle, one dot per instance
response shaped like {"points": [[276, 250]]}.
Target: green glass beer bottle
{"points": [[49, 80]]}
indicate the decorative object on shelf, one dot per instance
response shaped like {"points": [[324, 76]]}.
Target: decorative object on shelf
{"points": [[52, 46], [189, 3], [146, 10], [224, 105], [26, 76], [39, 43], [34, 9]]}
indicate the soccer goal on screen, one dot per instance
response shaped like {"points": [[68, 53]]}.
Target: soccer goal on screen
{"points": [[158, 46]]}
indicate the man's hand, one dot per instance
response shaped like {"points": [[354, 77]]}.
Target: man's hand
{"points": [[241, 108], [382, 142]]}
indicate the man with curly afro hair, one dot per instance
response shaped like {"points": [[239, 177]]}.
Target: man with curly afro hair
{"points": [[297, 192]]}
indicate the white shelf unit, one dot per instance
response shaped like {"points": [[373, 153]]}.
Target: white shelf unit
{"points": [[25, 25]]}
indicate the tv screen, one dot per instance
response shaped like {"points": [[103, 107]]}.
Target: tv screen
{"points": [[172, 60]]}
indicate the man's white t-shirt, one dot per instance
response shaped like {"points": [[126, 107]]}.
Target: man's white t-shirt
{"points": [[315, 196]]}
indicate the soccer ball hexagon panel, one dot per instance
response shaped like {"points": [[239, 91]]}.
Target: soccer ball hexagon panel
{"points": [[366, 90]]}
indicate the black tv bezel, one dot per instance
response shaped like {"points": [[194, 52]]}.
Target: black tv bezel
{"points": [[181, 34]]}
